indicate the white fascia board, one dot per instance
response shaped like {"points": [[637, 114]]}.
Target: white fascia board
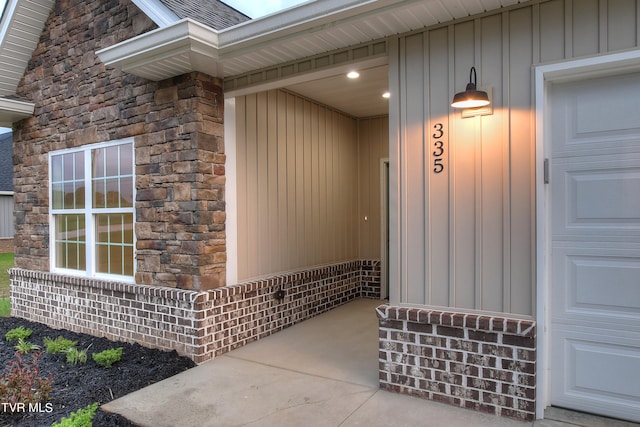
{"points": [[184, 36], [11, 111], [158, 12], [9, 11]]}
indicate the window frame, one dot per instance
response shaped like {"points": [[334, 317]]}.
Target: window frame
{"points": [[90, 213]]}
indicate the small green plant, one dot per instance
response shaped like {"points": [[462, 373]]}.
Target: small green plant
{"points": [[16, 334], [21, 382], [80, 418], [59, 345], [75, 356], [108, 357], [25, 346]]}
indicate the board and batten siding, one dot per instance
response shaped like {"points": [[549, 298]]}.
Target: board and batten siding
{"points": [[465, 237], [373, 148], [6, 214], [297, 181]]}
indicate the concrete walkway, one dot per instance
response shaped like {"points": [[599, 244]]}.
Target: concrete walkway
{"points": [[322, 372]]}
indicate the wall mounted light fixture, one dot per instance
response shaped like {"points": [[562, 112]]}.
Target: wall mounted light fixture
{"points": [[471, 97]]}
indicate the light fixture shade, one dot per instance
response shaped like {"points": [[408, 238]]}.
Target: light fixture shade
{"points": [[471, 97]]}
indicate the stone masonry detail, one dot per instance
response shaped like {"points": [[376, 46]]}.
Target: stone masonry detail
{"points": [[484, 363], [177, 126]]}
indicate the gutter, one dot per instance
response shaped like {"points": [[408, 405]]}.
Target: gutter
{"points": [[12, 110]]}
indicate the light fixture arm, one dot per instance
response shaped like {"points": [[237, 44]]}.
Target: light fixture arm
{"points": [[473, 79]]}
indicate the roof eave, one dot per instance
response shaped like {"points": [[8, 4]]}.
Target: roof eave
{"points": [[12, 111], [188, 46], [179, 48]]}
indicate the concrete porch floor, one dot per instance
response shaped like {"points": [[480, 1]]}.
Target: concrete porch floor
{"points": [[322, 372]]}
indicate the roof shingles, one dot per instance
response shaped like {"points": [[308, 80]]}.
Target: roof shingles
{"points": [[213, 13]]}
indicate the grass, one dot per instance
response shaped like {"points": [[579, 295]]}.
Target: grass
{"points": [[6, 262]]}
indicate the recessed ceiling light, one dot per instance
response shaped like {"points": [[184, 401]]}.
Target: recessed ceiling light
{"points": [[353, 75], [386, 95]]}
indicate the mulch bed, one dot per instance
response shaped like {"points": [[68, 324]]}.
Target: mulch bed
{"points": [[75, 387]]}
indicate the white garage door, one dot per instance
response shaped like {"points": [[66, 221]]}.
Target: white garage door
{"points": [[595, 267]]}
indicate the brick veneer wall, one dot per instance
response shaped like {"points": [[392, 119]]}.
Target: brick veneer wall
{"points": [[485, 363], [197, 324]]}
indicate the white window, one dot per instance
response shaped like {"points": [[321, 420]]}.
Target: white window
{"points": [[92, 194]]}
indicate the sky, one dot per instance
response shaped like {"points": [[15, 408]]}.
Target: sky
{"points": [[256, 9]]}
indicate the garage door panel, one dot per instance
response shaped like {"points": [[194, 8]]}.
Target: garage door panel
{"points": [[590, 294], [593, 197], [586, 123], [591, 274], [600, 374]]}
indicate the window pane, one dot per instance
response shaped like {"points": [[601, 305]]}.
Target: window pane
{"points": [[70, 235], [97, 163], [126, 159], [56, 168], [113, 193], [69, 167], [67, 181], [114, 244], [128, 261], [112, 157], [79, 165], [126, 192], [57, 194], [98, 191]]}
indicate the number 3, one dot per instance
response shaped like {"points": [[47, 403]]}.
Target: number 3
{"points": [[439, 130]]}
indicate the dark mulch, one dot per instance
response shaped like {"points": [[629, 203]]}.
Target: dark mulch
{"points": [[75, 387]]}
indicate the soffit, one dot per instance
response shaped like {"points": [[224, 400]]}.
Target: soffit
{"points": [[307, 30], [20, 30]]}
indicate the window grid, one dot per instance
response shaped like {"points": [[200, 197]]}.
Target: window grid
{"points": [[100, 250]]}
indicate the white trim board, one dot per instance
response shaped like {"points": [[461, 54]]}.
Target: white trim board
{"points": [[578, 69]]}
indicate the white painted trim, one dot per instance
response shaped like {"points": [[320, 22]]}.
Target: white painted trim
{"points": [[7, 15], [578, 69], [185, 37], [384, 227], [231, 201], [396, 253], [6, 193], [12, 111], [157, 11]]}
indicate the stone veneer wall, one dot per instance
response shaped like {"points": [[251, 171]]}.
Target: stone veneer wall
{"points": [[197, 324], [178, 132], [485, 363]]}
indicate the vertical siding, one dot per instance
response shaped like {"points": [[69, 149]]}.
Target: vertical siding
{"points": [[297, 166], [373, 146], [6, 216], [466, 235]]}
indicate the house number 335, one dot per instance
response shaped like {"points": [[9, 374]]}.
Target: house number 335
{"points": [[438, 148]]}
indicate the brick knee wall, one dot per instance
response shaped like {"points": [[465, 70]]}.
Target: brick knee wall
{"points": [[196, 324], [485, 363]]}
